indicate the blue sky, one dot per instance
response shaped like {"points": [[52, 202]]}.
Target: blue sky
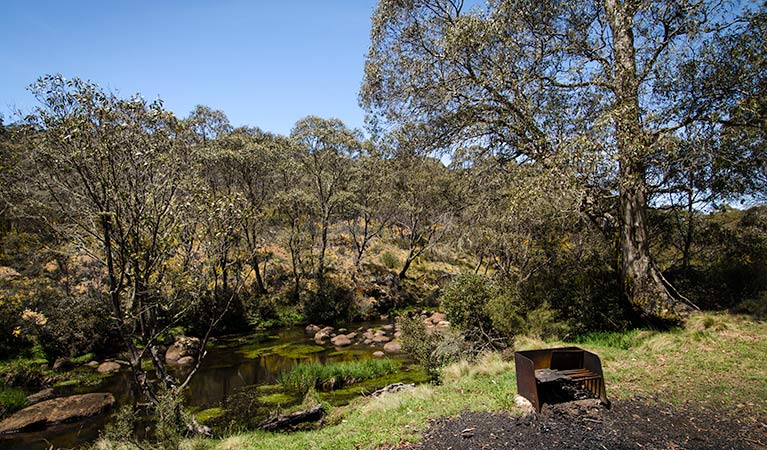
{"points": [[265, 64]]}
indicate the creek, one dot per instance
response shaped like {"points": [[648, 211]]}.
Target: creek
{"points": [[236, 370]]}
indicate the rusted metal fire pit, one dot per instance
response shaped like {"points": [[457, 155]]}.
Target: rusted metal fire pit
{"points": [[541, 369]]}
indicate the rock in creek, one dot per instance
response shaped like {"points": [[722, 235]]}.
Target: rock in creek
{"points": [[393, 347], [63, 409], [341, 341], [184, 346]]}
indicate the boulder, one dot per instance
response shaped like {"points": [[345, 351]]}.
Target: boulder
{"points": [[388, 327], [379, 338], [341, 341], [378, 354], [312, 329], [352, 335], [184, 346], [393, 347], [45, 394], [63, 409], [108, 367], [92, 364], [323, 335]]}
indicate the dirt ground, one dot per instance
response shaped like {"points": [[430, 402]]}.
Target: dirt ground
{"points": [[637, 424]]}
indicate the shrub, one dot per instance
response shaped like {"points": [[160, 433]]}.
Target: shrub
{"points": [[330, 303], [464, 301], [76, 326], [433, 351]]}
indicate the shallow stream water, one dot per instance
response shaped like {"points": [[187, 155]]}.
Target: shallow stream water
{"points": [[232, 367]]}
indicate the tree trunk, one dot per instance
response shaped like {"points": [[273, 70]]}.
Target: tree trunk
{"points": [[410, 257], [642, 282], [260, 288]]}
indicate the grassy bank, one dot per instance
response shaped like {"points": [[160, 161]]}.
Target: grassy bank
{"points": [[717, 361]]}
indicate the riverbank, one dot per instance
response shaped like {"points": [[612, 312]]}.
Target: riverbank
{"points": [[715, 363]]}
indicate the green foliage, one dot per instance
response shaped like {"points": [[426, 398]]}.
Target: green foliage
{"points": [[465, 300], [170, 419], [77, 325], [432, 350], [622, 340], [25, 371], [330, 303], [11, 400], [483, 310], [122, 428], [304, 377]]}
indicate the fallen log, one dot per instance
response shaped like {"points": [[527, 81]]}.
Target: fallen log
{"points": [[288, 420]]}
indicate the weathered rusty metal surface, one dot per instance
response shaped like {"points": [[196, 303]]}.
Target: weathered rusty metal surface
{"points": [[539, 368]]}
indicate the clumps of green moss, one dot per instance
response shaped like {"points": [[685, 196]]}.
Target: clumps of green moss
{"points": [[294, 351]]}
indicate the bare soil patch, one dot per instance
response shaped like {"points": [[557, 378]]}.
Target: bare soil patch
{"points": [[635, 424]]}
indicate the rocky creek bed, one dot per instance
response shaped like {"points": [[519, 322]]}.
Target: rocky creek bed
{"points": [[238, 380]]}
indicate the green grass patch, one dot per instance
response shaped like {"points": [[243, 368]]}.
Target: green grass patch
{"points": [[11, 400], [304, 377], [622, 340]]}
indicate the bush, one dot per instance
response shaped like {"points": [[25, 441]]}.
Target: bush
{"points": [[77, 326], [433, 351], [330, 303], [465, 300]]}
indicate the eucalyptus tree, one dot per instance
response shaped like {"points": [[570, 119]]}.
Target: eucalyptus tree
{"points": [[426, 200], [579, 84], [118, 172], [325, 153]]}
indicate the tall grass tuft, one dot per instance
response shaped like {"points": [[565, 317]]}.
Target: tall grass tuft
{"points": [[11, 400], [327, 377]]}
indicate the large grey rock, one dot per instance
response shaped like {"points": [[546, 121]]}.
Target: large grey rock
{"points": [[312, 329], [63, 409], [184, 346]]}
